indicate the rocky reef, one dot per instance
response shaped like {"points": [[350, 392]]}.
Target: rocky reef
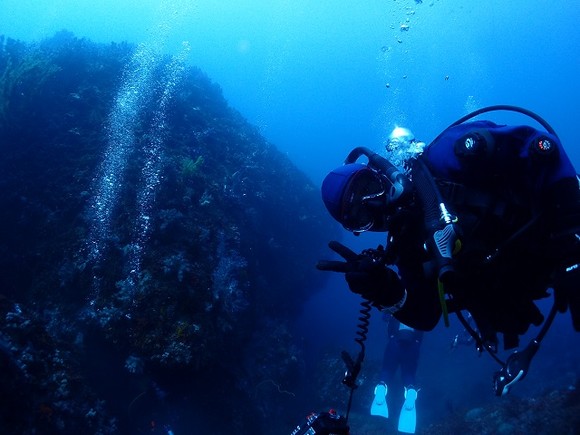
{"points": [[154, 246], [554, 412]]}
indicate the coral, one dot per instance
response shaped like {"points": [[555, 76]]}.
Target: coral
{"points": [[227, 290], [177, 264], [190, 167], [134, 364], [42, 379], [547, 414], [176, 353]]}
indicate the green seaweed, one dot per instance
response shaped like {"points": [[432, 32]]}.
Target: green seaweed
{"points": [[22, 78], [190, 167]]}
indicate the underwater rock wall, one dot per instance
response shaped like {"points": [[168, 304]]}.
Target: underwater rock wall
{"points": [[140, 214]]}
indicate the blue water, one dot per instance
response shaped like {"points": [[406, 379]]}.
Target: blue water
{"points": [[313, 76], [319, 78]]}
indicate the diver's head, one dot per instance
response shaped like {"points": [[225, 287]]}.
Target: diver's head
{"points": [[355, 195], [402, 141], [402, 136]]}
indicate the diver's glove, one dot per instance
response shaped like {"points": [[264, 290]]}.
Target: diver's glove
{"points": [[367, 275]]}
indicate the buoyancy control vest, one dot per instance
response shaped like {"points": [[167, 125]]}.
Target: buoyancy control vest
{"points": [[498, 182], [483, 153]]}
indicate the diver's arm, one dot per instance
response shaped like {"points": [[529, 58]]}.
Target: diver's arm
{"points": [[422, 309], [412, 298]]}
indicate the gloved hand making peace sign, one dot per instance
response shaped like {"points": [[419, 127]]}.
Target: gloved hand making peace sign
{"points": [[366, 274]]}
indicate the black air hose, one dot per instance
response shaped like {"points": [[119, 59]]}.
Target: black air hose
{"points": [[428, 194]]}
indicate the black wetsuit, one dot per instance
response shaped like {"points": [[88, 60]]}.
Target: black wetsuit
{"points": [[401, 351]]}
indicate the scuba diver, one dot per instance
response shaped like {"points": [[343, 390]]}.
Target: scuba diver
{"points": [[402, 351], [485, 219]]}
